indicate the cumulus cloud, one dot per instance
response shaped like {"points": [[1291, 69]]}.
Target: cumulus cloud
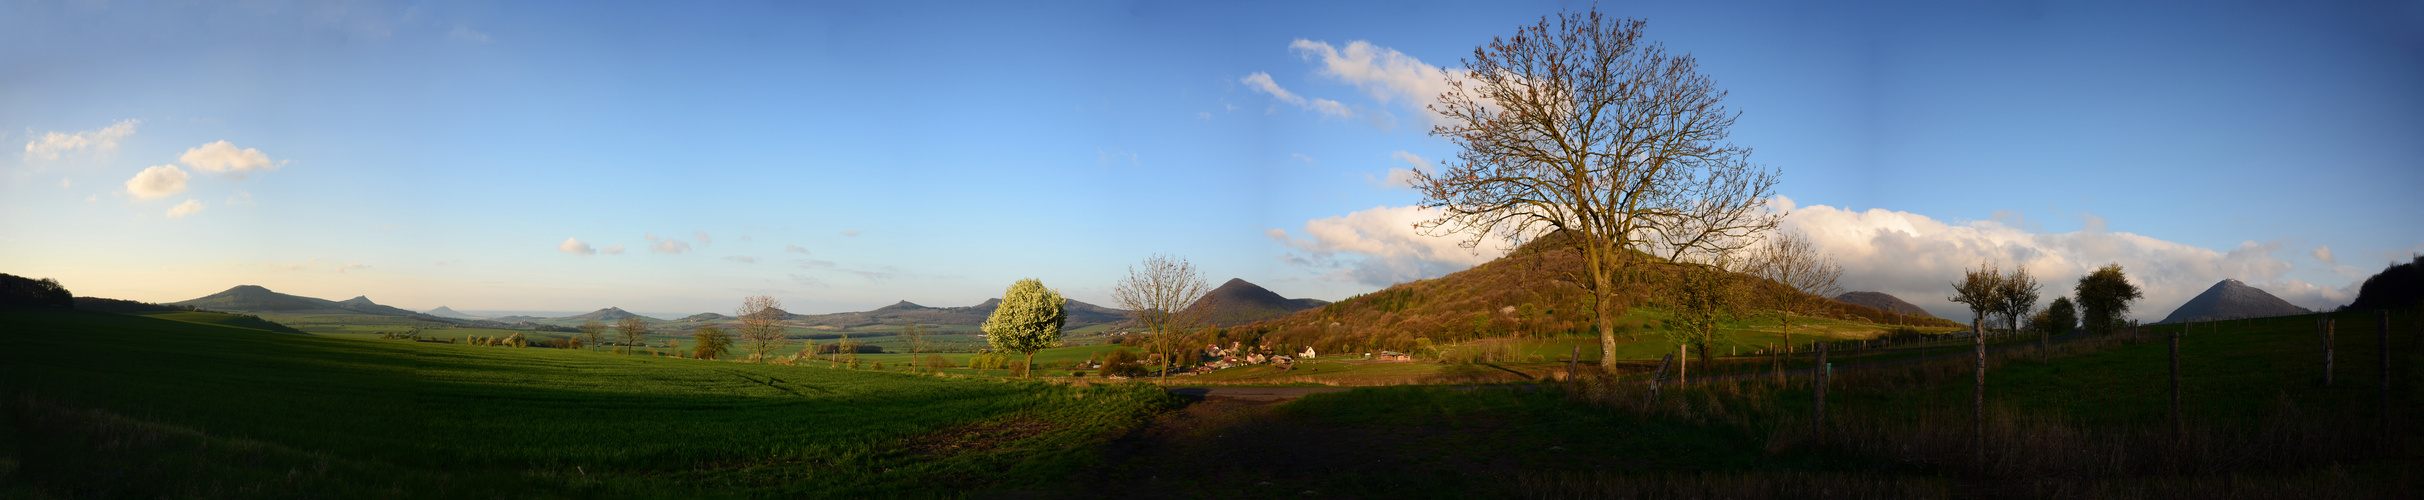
{"points": [[576, 247], [1378, 247], [226, 158], [665, 245], [1403, 177], [1915, 257], [184, 209], [2323, 253], [1261, 82], [49, 146], [704, 239], [157, 182], [794, 249], [1384, 73]]}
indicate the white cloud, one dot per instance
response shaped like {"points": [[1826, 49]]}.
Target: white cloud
{"points": [[1915, 257], [665, 245], [1384, 73], [226, 158], [704, 239], [244, 199], [50, 145], [157, 182], [184, 209], [794, 249], [2323, 253], [1261, 82], [1404, 177], [467, 34], [742, 259], [617, 249], [1302, 157], [1379, 247], [576, 247]]}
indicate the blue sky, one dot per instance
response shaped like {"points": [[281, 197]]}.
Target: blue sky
{"points": [[675, 157]]}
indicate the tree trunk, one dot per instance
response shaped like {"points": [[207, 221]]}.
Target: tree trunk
{"points": [[1028, 370], [1659, 378], [1683, 353], [1607, 325], [1573, 363]]}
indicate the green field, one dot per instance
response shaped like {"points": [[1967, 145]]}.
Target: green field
{"points": [[408, 419]]}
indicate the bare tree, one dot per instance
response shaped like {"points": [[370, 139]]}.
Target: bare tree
{"points": [[635, 332], [1157, 295], [915, 335], [1982, 290], [1581, 127], [761, 325], [1790, 259], [593, 331], [2019, 293]]}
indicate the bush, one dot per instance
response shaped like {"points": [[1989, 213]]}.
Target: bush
{"points": [[1122, 363], [937, 362]]}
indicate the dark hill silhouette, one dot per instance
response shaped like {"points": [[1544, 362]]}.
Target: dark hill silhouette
{"points": [[252, 298], [1883, 302], [1239, 302], [2400, 285], [607, 315], [2231, 299], [1522, 293], [1081, 314], [706, 317], [125, 306]]}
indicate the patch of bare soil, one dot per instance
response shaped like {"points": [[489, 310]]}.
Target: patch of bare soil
{"points": [[991, 434]]}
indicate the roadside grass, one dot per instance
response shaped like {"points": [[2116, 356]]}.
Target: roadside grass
{"points": [[461, 413]]}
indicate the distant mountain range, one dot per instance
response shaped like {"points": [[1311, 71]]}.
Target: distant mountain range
{"points": [[1884, 302], [2231, 299], [1081, 314], [1239, 302]]}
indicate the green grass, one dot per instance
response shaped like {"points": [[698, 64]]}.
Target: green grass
{"points": [[449, 410]]}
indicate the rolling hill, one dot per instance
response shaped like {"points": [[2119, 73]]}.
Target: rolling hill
{"points": [[1883, 302], [607, 315], [252, 298], [2231, 299], [444, 312], [1522, 293], [1238, 302]]}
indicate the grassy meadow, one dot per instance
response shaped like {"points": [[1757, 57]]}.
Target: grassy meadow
{"points": [[420, 418]]}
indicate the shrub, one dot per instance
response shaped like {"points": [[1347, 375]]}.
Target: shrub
{"points": [[1122, 363], [937, 362]]}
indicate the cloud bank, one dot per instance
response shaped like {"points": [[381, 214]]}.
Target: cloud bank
{"points": [[50, 145], [1911, 256]]}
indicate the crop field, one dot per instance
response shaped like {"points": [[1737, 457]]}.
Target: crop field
{"points": [[415, 419]]}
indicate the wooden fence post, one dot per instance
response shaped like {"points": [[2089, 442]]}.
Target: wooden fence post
{"points": [[1978, 395], [1683, 356], [2177, 431], [2328, 326], [1659, 378], [1820, 372]]}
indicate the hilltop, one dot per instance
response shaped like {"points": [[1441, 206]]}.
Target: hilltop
{"points": [[1239, 302], [444, 312], [607, 315], [2231, 299], [1883, 302], [1522, 293], [253, 298]]}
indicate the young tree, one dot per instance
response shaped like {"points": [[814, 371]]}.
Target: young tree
{"points": [[1790, 259], [1157, 296], [2104, 297], [710, 342], [1582, 127], [2019, 293], [1029, 319], [1982, 290], [2060, 318], [761, 325], [592, 331], [635, 333], [1706, 294]]}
